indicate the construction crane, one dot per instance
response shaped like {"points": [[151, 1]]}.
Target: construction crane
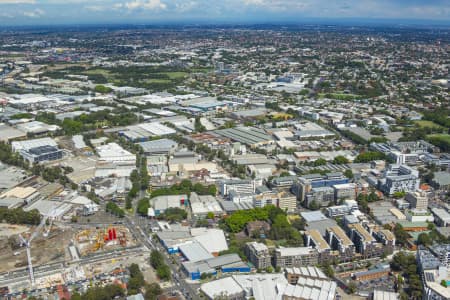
{"points": [[27, 244]]}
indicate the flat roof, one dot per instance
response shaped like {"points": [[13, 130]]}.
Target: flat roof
{"points": [[358, 227], [194, 252], [319, 241], [313, 216], [341, 235]]}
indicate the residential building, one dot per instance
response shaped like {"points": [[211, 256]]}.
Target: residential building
{"points": [[365, 244], [258, 254], [441, 216], [295, 257], [314, 239], [339, 241]]}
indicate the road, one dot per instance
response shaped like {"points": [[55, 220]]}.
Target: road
{"points": [[139, 226]]}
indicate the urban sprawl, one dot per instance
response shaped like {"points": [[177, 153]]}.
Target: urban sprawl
{"points": [[291, 163]]}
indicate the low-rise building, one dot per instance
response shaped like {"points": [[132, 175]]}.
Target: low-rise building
{"points": [[295, 257]]}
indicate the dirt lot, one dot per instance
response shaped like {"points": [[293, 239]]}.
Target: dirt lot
{"points": [[43, 249]]}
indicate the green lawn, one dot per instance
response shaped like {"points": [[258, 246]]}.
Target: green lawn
{"points": [[425, 123], [175, 75], [440, 140], [443, 137], [340, 96]]}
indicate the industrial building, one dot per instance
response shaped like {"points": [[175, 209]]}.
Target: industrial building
{"points": [[114, 153], [250, 136], [38, 150], [159, 147], [160, 203], [307, 130], [202, 205]]}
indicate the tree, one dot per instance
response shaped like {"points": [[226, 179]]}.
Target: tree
{"points": [[340, 160], [152, 291], [102, 89], [348, 173], [319, 162], [424, 239], [210, 215], [314, 205], [351, 287]]}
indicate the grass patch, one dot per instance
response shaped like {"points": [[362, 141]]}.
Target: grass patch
{"points": [[175, 75], [440, 140], [340, 96], [425, 123]]}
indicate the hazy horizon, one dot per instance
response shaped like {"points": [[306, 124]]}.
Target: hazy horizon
{"points": [[158, 12]]}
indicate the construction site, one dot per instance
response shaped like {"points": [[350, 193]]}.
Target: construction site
{"points": [[50, 246], [94, 240]]}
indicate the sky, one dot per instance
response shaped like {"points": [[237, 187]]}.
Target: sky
{"points": [[47, 12]]}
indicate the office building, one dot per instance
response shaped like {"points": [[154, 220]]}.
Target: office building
{"points": [[417, 200], [319, 197], [239, 186], [287, 201], [306, 183], [399, 178], [38, 150], [258, 254], [345, 191]]}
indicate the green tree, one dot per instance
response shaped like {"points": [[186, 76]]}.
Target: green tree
{"points": [[340, 160], [152, 291], [102, 89]]}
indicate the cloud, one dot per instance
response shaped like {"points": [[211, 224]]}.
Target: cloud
{"points": [[37, 13], [147, 5], [17, 1]]}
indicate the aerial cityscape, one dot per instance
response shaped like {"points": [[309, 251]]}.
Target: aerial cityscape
{"points": [[192, 150]]}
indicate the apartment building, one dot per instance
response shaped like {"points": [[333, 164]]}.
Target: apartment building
{"points": [[258, 254], [295, 257], [340, 242]]}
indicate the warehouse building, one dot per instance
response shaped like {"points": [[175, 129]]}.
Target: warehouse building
{"points": [[159, 147], [114, 153], [250, 136]]}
